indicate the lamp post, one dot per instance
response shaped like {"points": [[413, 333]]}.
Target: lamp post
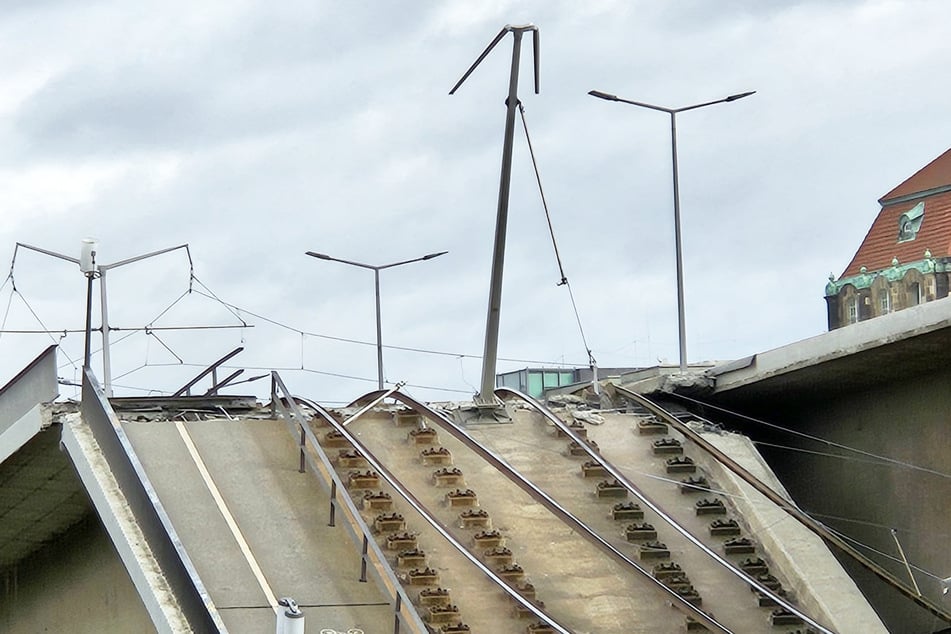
{"points": [[673, 153], [376, 280]]}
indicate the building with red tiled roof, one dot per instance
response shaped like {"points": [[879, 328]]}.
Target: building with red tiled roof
{"points": [[905, 258]]}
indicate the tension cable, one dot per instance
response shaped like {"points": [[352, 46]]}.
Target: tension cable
{"points": [[561, 269]]}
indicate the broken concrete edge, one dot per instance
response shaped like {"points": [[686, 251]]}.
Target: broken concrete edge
{"points": [[18, 433], [824, 589], [123, 529], [834, 344], [149, 514]]}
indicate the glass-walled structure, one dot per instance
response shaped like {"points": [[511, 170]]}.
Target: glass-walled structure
{"points": [[534, 381]]}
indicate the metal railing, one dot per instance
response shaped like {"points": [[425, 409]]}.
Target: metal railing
{"points": [[283, 403]]}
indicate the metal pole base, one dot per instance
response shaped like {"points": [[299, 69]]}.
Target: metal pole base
{"points": [[482, 413]]}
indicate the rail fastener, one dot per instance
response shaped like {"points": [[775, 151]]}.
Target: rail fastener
{"points": [[666, 570], [627, 511], [462, 497], [377, 501], [654, 550], [442, 613], [406, 418], [364, 479], [436, 456], [724, 528], [498, 556], [782, 616], [681, 464], [591, 469], [635, 532], [710, 507], [388, 522], [424, 436], [665, 446], [739, 546], [411, 557], [351, 459], [474, 518], [422, 577], [611, 489], [488, 539], [691, 484], [512, 573], [575, 449], [434, 596], [401, 540], [650, 427], [447, 476], [334, 439]]}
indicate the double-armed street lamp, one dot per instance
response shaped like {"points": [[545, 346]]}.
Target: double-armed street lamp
{"points": [[376, 278], [677, 240]]}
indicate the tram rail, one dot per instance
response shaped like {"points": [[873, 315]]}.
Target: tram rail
{"points": [[576, 520]]}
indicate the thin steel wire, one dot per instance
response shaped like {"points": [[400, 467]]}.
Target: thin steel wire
{"points": [[877, 457], [371, 343], [551, 231]]}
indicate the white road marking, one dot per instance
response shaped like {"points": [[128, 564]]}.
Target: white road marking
{"points": [[229, 518]]}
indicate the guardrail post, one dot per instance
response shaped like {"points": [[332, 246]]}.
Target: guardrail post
{"points": [[333, 503], [363, 560], [303, 443], [273, 395], [396, 617]]}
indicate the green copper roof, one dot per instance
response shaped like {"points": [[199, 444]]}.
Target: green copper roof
{"points": [[895, 272]]}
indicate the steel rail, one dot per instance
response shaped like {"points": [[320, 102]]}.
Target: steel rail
{"points": [[790, 508], [404, 605], [419, 507], [636, 492], [556, 509]]}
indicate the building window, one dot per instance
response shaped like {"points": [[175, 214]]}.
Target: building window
{"points": [[884, 303], [853, 310], [910, 222], [914, 293]]}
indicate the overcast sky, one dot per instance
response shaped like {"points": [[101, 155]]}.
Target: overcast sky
{"points": [[257, 131]]}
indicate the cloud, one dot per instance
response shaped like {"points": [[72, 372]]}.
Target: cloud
{"points": [[256, 132]]}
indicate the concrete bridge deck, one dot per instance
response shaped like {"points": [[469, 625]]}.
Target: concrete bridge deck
{"points": [[280, 515]]}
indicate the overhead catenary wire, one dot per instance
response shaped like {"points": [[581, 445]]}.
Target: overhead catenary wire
{"points": [[554, 243], [236, 312], [851, 520], [877, 457], [212, 295], [882, 553], [72, 362], [199, 288], [6, 313], [824, 454], [318, 335]]}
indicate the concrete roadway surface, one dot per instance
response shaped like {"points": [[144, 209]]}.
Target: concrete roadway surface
{"points": [[281, 515]]}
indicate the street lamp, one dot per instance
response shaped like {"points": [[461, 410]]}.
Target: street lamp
{"points": [[376, 278], [673, 152]]}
